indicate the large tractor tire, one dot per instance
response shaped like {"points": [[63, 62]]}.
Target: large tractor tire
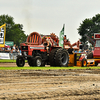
{"points": [[52, 57], [20, 61], [30, 61], [84, 62], [38, 61], [90, 55], [62, 57]]}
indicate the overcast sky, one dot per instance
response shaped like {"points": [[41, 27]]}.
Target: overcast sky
{"points": [[47, 16]]}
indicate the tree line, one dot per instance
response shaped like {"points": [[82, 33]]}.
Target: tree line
{"points": [[14, 32], [88, 27]]}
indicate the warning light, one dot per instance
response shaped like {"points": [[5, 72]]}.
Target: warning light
{"points": [[92, 36], [97, 36]]}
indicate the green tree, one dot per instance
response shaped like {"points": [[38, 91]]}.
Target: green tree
{"points": [[88, 27], [14, 32]]}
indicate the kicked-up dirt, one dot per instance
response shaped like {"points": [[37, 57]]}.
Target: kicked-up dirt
{"points": [[50, 84]]}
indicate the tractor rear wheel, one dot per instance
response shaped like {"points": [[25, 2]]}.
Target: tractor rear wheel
{"points": [[20, 61], [61, 57], [38, 61], [52, 57]]}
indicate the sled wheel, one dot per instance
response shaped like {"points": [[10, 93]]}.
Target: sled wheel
{"points": [[20, 61], [84, 62], [96, 64]]}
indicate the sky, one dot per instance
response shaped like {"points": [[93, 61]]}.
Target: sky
{"points": [[47, 16]]}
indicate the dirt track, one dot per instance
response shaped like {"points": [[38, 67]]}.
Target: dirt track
{"points": [[11, 64], [50, 85]]}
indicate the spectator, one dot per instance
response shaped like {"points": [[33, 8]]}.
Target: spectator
{"points": [[9, 49], [85, 51], [75, 51], [79, 51], [1, 49], [17, 49], [65, 38], [14, 48], [5, 49]]}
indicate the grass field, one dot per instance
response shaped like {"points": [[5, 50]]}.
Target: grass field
{"points": [[46, 68], [6, 61], [40, 68]]}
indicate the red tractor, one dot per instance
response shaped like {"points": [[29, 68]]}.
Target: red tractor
{"points": [[35, 53]]}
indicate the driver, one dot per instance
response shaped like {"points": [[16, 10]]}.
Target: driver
{"points": [[47, 44]]}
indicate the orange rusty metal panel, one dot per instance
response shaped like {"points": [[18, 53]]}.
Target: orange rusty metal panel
{"points": [[71, 64], [30, 39], [79, 63], [71, 58], [33, 38], [37, 39]]}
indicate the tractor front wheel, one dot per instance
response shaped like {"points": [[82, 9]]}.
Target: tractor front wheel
{"points": [[20, 61]]}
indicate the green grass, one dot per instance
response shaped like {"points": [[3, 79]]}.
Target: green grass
{"points": [[7, 61], [46, 68], [40, 68]]}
